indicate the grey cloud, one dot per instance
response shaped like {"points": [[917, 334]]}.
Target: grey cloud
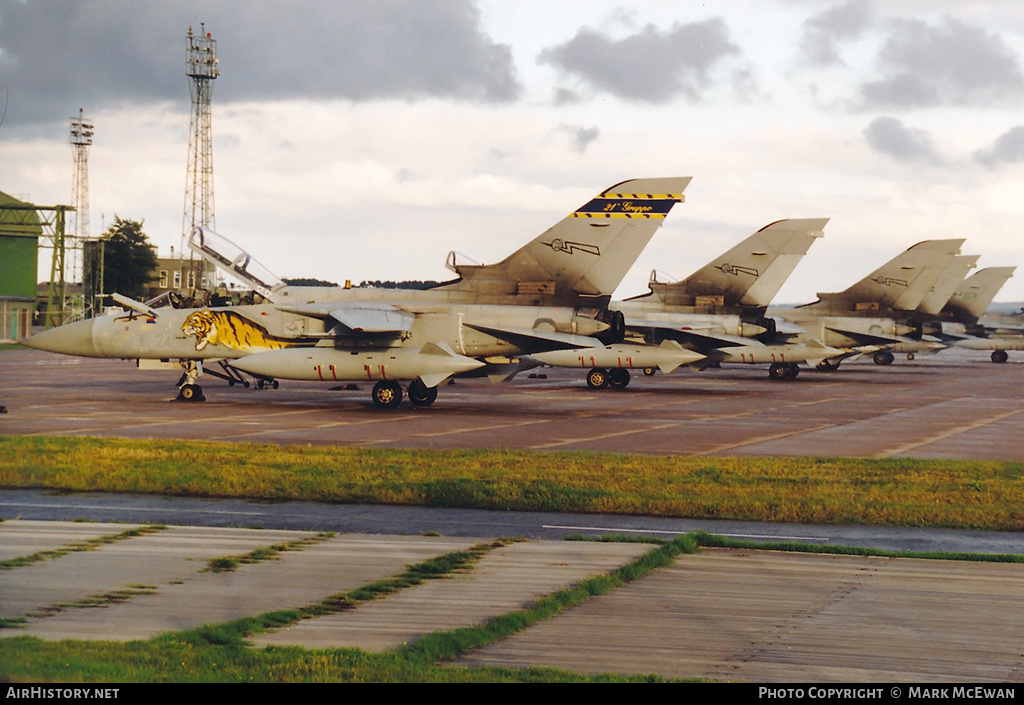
{"points": [[952, 64], [650, 65], [56, 56], [891, 137], [1008, 149], [826, 30], [581, 137]]}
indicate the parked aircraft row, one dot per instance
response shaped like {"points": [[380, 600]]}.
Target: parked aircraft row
{"points": [[550, 303]]}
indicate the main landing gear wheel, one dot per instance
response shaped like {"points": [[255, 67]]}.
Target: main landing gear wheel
{"points": [[999, 356], [883, 357], [191, 392], [420, 394], [649, 371], [783, 370], [597, 378], [618, 377], [387, 394]]}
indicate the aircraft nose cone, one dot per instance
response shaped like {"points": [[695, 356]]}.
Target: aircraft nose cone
{"points": [[69, 339]]}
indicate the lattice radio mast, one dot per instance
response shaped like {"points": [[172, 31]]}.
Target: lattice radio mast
{"points": [[201, 67], [81, 139]]}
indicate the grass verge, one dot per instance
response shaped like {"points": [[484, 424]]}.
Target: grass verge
{"points": [[894, 491]]}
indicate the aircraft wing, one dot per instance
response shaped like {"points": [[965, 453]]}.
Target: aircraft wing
{"points": [[865, 338], [707, 339], [787, 328], [537, 340], [369, 318], [702, 337]]}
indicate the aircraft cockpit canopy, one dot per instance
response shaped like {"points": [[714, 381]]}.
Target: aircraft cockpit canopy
{"points": [[233, 260]]}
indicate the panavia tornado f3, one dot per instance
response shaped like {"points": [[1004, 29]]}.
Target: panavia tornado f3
{"points": [[877, 312], [716, 315], [552, 294]]}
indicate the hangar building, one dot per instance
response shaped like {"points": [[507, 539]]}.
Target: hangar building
{"points": [[20, 231]]}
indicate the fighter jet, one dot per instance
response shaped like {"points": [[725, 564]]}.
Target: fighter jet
{"points": [[961, 323], [551, 294], [930, 309], [717, 312], [876, 312]]}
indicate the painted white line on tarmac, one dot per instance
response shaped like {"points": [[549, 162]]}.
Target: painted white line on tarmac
{"points": [[659, 531]]}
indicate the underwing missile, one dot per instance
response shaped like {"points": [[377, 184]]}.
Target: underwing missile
{"points": [[433, 363], [666, 357]]}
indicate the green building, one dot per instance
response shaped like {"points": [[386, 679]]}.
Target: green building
{"points": [[20, 230]]}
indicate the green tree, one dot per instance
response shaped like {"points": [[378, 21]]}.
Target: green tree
{"points": [[128, 259]]}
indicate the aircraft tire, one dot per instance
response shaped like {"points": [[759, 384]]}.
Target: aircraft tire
{"points": [[827, 366], [649, 371], [999, 356], [191, 392], [420, 394], [618, 377], [387, 394], [777, 370], [792, 370], [597, 378], [883, 357]]}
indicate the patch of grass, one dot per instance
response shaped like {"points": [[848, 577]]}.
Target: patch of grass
{"points": [[894, 491], [264, 553], [87, 545]]}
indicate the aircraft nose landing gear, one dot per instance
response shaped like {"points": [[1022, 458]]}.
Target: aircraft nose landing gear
{"points": [[188, 390]]}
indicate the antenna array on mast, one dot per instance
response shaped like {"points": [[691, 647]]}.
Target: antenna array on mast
{"points": [[201, 68]]}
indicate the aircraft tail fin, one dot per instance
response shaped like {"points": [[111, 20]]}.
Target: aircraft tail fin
{"points": [[976, 292], [752, 272], [951, 277], [901, 283], [587, 254]]}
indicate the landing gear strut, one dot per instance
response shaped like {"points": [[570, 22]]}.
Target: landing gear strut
{"points": [[188, 390]]}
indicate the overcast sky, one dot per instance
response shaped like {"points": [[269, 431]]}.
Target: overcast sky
{"points": [[364, 140]]}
